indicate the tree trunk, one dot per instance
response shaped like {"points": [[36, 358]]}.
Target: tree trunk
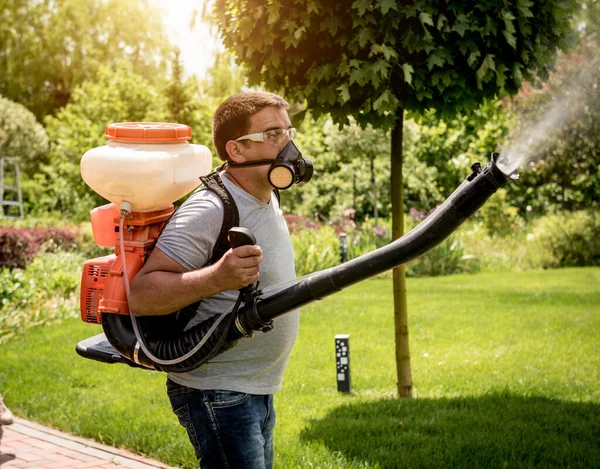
{"points": [[404, 384], [374, 189]]}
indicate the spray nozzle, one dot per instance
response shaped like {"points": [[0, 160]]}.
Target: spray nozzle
{"points": [[505, 165]]}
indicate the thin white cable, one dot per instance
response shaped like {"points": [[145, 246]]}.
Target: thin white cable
{"points": [[136, 330]]}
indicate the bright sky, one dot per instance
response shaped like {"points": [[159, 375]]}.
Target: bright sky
{"points": [[197, 46]]}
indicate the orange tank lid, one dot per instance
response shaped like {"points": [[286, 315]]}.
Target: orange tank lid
{"points": [[148, 132]]}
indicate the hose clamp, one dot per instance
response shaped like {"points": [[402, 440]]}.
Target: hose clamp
{"points": [[242, 330], [264, 326]]}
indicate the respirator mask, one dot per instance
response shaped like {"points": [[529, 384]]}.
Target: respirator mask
{"points": [[287, 169]]}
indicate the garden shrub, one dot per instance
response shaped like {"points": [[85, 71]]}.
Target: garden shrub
{"points": [[315, 249], [18, 246], [367, 237], [44, 291], [567, 239], [447, 258], [495, 253], [500, 218], [296, 223], [22, 137], [319, 248]]}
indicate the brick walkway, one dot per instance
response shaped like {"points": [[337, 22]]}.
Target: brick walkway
{"points": [[28, 445]]}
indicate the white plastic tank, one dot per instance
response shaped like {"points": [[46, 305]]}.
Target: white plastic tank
{"points": [[148, 164]]}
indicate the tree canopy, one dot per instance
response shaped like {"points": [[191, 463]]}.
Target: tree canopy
{"points": [[368, 59], [49, 47]]}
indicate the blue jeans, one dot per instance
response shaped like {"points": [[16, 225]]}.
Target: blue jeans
{"points": [[228, 429]]}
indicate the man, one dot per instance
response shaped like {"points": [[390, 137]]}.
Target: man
{"points": [[226, 405]]}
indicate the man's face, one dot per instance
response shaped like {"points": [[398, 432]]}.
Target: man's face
{"points": [[269, 118]]}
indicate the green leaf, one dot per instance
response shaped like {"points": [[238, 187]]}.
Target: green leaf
{"points": [[344, 93], [442, 20], [472, 60], [313, 7], [508, 20], [423, 93], [442, 80], [343, 68], [299, 32], [410, 11], [379, 104], [327, 95], [412, 42], [510, 38], [375, 79], [426, 19], [361, 6], [507, 15], [437, 58], [408, 70], [517, 74], [487, 64], [490, 26], [381, 67], [324, 72], [524, 7], [273, 13], [364, 36], [389, 53], [386, 5], [491, 63], [461, 25], [357, 76], [501, 75]]}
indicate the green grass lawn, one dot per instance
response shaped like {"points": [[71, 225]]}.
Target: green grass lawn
{"points": [[505, 369]]}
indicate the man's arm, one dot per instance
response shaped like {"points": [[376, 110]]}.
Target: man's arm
{"points": [[163, 285]]}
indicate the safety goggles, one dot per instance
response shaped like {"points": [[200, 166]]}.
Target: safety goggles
{"points": [[274, 136]]}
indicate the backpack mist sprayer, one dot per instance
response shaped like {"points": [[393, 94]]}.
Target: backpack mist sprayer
{"points": [[163, 346], [142, 170]]}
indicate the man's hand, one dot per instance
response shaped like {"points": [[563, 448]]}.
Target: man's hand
{"points": [[164, 286], [238, 267]]}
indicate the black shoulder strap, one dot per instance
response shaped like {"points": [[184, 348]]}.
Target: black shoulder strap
{"points": [[231, 217]]}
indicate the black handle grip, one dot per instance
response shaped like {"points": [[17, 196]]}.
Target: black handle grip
{"points": [[239, 236]]}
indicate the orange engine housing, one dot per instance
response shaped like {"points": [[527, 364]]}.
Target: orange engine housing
{"points": [[102, 279], [95, 272]]}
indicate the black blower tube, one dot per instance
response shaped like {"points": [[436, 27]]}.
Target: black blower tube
{"points": [[462, 203]]}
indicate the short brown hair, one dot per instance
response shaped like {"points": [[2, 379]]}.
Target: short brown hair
{"points": [[232, 117]]}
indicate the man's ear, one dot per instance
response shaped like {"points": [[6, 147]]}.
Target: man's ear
{"points": [[233, 150]]}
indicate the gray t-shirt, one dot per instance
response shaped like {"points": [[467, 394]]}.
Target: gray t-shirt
{"points": [[254, 365]]}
